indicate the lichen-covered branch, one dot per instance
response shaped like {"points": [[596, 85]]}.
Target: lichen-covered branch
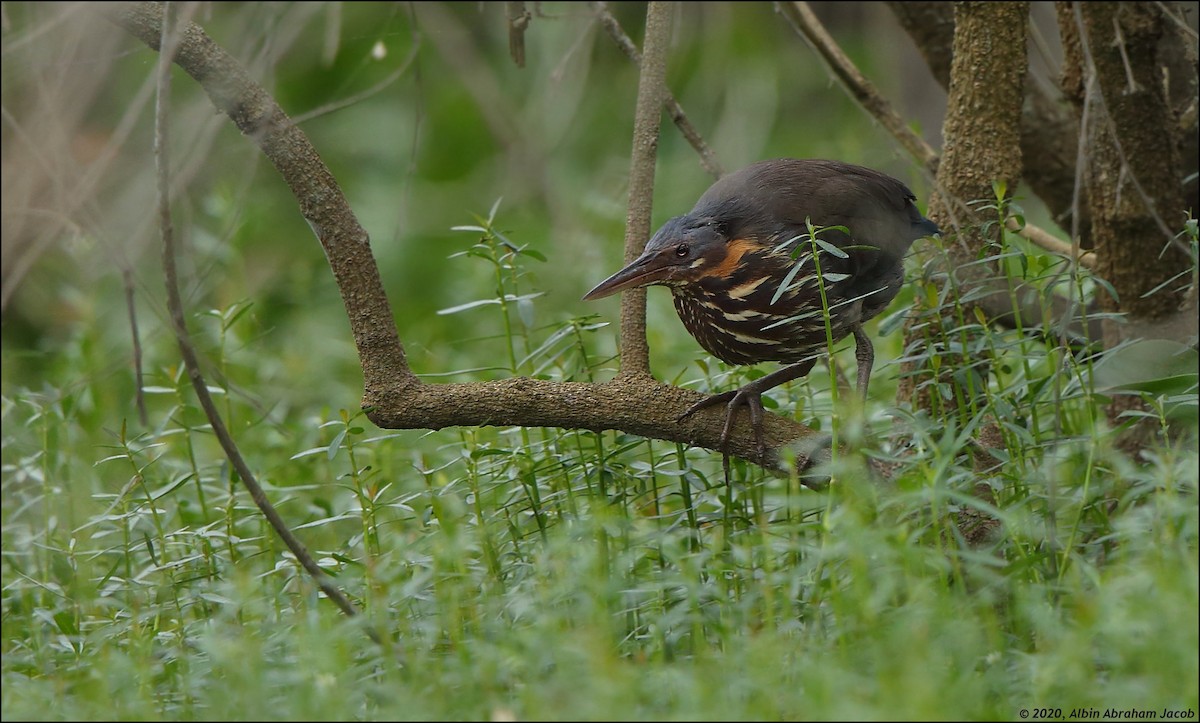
{"points": [[982, 147], [637, 404], [1135, 189]]}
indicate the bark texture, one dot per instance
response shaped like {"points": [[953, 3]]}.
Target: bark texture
{"points": [[1048, 128], [983, 146], [1135, 189]]}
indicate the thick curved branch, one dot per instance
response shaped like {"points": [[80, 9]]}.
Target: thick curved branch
{"points": [[632, 403], [396, 398]]}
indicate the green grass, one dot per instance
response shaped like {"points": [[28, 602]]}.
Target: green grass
{"points": [[548, 574]]}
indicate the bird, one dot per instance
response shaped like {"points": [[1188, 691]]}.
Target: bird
{"points": [[776, 261]]}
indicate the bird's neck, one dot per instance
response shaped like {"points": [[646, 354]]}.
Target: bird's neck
{"points": [[751, 282]]}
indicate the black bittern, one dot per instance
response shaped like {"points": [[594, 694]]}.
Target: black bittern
{"points": [[743, 268]]}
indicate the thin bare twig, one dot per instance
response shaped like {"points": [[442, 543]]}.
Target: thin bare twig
{"points": [[805, 22], [1184, 27], [1077, 196], [708, 159], [373, 90], [635, 354], [1049, 242], [1131, 84], [168, 44], [518, 20], [139, 395]]}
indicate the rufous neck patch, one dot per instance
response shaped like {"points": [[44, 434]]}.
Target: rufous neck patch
{"points": [[734, 250]]}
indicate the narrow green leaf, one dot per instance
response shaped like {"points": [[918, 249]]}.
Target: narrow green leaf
{"points": [[466, 306], [336, 444], [830, 249]]}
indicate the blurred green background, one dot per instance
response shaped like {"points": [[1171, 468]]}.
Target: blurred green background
{"points": [[442, 126]]}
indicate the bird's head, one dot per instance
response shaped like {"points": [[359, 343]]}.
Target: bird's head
{"points": [[684, 251]]}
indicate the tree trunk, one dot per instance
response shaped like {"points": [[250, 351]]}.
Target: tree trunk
{"points": [[982, 146], [1048, 128], [1135, 190]]}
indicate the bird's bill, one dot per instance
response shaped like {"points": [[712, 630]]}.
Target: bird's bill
{"points": [[645, 270]]}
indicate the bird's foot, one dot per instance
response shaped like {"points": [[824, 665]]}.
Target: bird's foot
{"points": [[744, 397], [749, 396]]}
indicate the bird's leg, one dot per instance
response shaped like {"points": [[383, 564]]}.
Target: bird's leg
{"points": [[864, 354], [750, 396]]}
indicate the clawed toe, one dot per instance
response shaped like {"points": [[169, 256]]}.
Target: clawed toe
{"points": [[706, 403], [752, 400], [750, 395]]}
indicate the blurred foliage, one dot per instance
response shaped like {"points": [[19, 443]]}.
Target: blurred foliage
{"points": [[457, 128]]}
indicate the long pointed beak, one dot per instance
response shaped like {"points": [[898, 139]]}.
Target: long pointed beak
{"points": [[645, 270]]}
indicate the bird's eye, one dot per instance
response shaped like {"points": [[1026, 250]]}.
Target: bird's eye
{"points": [[682, 251]]}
